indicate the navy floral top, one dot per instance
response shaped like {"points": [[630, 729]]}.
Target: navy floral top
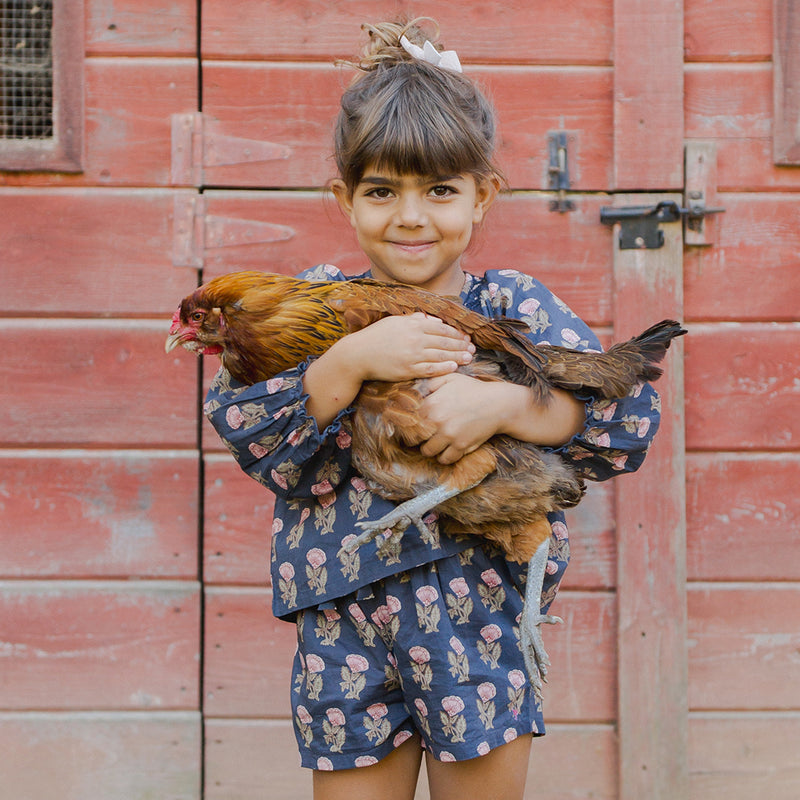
{"points": [[319, 495]]}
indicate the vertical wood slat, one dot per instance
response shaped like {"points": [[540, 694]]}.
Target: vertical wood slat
{"points": [[651, 544], [648, 95], [786, 82]]}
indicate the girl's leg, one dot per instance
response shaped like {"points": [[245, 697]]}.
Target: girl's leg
{"points": [[392, 778], [499, 775]]}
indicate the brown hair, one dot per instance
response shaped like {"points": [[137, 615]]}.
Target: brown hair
{"points": [[410, 116]]}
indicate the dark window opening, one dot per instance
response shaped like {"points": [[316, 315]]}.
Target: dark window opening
{"points": [[26, 69]]}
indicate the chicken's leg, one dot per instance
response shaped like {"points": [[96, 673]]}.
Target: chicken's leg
{"points": [[536, 659]]}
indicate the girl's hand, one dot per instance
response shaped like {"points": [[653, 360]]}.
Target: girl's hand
{"points": [[404, 347]]}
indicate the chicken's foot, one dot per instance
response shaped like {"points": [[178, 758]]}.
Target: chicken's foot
{"points": [[536, 659], [400, 517]]}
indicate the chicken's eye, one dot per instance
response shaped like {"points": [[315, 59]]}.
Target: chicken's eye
{"points": [[198, 316]]}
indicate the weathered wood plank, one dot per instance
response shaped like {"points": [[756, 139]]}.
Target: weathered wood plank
{"points": [[786, 79], [295, 106], [86, 380], [98, 513], [579, 33], [245, 756], [742, 511], [249, 655], [648, 95], [732, 105], [651, 542], [743, 644], [738, 756], [101, 756], [237, 524], [741, 386], [81, 645], [751, 271], [90, 252], [128, 106], [141, 27], [737, 30], [569, 253]]}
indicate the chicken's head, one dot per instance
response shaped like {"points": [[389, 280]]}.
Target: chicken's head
{"points": [[197, 327]]}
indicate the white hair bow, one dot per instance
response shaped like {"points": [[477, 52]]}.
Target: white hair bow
{"points": [[448, 59]]}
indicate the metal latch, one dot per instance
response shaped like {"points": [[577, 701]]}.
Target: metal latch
{"points": [[558, 171], [639, 224]]}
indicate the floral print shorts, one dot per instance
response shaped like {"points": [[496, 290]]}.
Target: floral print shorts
{"points": [[434, 650]]}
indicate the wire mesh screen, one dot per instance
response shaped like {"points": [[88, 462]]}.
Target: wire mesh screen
{"points": [[26, 69]]}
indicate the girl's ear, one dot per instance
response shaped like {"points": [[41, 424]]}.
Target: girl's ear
{"points": [[486, 189], [343, 198]]}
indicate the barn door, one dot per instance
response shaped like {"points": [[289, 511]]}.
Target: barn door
{"points": [[590, 99]]}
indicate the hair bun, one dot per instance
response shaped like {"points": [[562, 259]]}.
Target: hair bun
{"points": [[383, 46]]}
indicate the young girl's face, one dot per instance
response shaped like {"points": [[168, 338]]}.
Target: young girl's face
{"points": [[415, 228]]}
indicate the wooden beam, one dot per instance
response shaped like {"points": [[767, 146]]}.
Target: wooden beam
{"points": [[651, 543], [648, 95]]}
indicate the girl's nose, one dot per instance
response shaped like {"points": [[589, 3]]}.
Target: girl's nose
{"points": [[410, 212]]}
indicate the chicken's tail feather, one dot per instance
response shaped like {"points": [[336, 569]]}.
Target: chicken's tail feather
{"points": [[652, 345]]}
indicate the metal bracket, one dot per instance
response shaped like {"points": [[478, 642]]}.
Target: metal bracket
{"points": [[558, 171], [639, 225]]}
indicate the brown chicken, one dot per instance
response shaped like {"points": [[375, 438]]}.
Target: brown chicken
{"points": [[260, 324]]}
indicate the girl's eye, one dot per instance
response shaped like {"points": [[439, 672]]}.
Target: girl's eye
{"points": [[442, 191], [380, 192]]}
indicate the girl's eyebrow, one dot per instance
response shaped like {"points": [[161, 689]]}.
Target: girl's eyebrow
{"points": [[381, 180]]}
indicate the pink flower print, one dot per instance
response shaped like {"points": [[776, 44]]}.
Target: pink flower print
{"points": [[620, 461], [377, 710], [644, 426], [358, 484], [365, 761], [327, 500], [274, 385], [391, 659], [381, 616], [343, 439], [324, 764], [314, 663], [393, 604], [516, 677], [316, 557], [491, 578], [453, 705], [330, 269], [303, 715], [529, 306], [560, 530], [509, 734], [493, 288], [356, 662], [323, 487], [534, 727], [257, 450], [420, 655], [335, 716], [637, 390], [401, 737], [569, 336], [491, 633], [508, 273], [551, 568], [294, 437], [279, 479], [427, 595], [304, 514], [456, 645], [483, 748], [234, 417], [331, 614], [286, 571], [459, 587], [355, 610], [608, 412], [603, 440], [419, 704], [349, 538], [445, 756], [277, 525], [487, 691]]}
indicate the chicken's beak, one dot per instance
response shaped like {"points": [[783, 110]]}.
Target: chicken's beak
{"points": [[173, 340]]}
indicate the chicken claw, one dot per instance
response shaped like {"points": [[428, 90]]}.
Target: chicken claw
{"points": [[535, 656]]}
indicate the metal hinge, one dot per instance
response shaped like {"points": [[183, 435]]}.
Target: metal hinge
{"points": [[558, 171], [639, 225], [197, 144], [195, 232]]}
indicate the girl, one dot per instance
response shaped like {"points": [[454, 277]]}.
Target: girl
{"points": [[415, 647]]}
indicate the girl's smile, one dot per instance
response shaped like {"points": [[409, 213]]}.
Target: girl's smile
{"points": [[414, 228]]}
